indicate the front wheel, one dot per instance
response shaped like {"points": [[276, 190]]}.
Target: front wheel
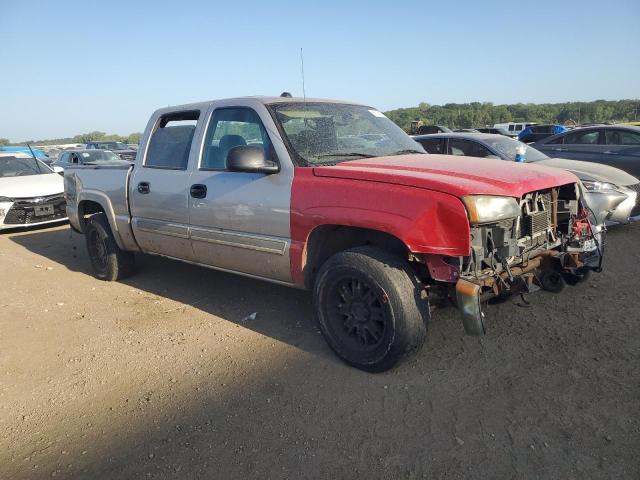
{"points": [[108, 260], [369, 308]]}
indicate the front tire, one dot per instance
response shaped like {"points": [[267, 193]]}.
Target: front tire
{"points": [[109, 262], [369, 308]]}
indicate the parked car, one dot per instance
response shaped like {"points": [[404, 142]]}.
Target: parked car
{"points": [[119, 148], [615, 145], [466, 130], [39, 154], [495, 131], [514, 128], [533, 133], [262, 186], [82, 157], [611, 193], [31, 193]]}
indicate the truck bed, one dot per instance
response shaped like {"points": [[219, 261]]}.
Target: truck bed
{"points": [[106, 184]]}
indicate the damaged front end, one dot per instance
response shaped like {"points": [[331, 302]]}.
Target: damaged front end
{"points": [[537, 241]]}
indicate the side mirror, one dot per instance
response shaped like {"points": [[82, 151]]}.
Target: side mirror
{"points": [[58, 169], [249, 158]]}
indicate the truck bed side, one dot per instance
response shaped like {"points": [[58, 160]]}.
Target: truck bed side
{"points": [[101, 188]]}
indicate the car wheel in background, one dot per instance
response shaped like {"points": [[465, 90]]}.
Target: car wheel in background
{"points": [[552, 281]]}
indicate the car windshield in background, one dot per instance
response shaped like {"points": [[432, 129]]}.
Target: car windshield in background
{"points": [[508, 146], [330, 133], [98, 156], [20, 167], [111, 146]]}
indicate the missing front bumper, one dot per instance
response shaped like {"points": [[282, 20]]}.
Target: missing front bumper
{"points": [[471, 293]]}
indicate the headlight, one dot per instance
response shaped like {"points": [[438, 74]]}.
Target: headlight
{"points": [[599, 186], [484, 208]]}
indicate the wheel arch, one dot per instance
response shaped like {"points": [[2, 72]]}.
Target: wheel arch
{"points": [[90, 204], [328, 239]]}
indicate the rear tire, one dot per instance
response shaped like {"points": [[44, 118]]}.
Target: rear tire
{"points": [[109, 262], [369, 308]]}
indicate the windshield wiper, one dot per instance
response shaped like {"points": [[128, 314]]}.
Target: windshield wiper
{"points": [[346, 154], [408, 150]]}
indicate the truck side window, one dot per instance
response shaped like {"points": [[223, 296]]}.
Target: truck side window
{"points": [[229, 128], [170, 143]]}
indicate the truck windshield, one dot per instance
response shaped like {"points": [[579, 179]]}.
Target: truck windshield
{"points": [[330, 133], [20, 167]]}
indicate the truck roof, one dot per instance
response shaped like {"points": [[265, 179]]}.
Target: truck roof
{"points": [[258, 98]]}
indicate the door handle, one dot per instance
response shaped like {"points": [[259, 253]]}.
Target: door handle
{"points": [[610, 152], [144, 187], [560, 149], [198, 190]]}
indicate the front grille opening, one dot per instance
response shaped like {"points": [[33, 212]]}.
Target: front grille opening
{"points": [[23, 212]]}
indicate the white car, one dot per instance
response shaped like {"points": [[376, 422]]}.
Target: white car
{"points": [[31, 193]]}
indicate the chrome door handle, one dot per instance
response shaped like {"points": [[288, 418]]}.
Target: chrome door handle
{"points": [[610, 152]]}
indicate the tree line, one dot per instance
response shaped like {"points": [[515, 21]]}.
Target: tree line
{"points": [[452, 115], [477, 114], [81, 138]]}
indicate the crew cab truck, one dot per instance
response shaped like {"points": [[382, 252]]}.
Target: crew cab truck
{"points": [[333, 197]]}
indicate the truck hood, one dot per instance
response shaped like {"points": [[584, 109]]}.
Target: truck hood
{"points": [[455, 175], [592, 171], [29, 186]]}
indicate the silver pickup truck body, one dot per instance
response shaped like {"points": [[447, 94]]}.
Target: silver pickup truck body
{"points": [[334, 197]]}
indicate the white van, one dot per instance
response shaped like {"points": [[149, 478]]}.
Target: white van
{"points": [[513, 128]]}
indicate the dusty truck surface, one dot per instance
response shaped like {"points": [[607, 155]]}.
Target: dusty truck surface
{"points": [[333, 197]]}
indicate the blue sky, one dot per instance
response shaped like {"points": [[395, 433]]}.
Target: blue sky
{"points": [[68, 67]]}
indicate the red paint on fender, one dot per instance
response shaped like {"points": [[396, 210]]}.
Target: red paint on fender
{"points": [[415, 198]]}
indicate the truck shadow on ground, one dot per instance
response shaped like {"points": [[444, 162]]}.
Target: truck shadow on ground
{"points": [[282, 313]]}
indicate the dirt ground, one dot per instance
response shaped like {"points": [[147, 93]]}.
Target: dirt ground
{"points": [[164, 376]]}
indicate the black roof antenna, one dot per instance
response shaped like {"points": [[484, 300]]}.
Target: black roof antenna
{"points": [[286, 95], [34, 156]]}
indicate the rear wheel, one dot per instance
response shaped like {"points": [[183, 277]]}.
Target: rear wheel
{"points": [[107, 259], [369, 308]]}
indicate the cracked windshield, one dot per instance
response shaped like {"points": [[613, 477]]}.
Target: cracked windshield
{"points": [[330, 133]]}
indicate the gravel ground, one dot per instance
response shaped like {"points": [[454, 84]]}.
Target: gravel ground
{"points": [[166, 375]]}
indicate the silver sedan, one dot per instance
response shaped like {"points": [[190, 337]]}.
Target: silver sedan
{"points": [[612, 194]]}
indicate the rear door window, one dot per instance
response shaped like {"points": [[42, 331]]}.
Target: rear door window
{"points": [[171, 141], [582, 137], [622, 137], [467, 148]]}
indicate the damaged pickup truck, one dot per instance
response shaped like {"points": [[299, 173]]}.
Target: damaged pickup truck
{"points": [[335, 198]]}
